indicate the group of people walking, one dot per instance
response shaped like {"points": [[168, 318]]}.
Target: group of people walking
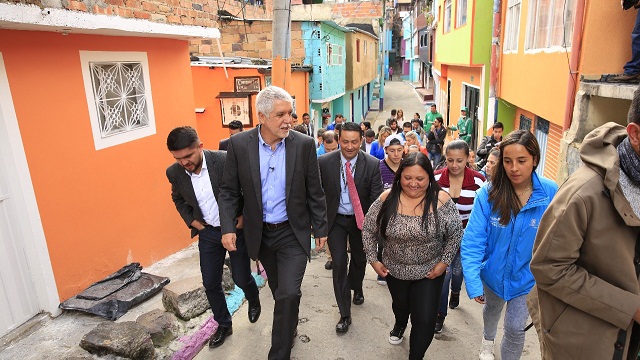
{"points": [[422, 230]]}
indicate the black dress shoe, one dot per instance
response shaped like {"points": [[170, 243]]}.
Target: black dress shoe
{"points": [[358, 298], [343, 325], [220, 336], [254, 310], [328, 265]]}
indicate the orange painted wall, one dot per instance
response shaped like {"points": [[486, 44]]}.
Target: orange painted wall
{"points": [[208, 83], [536, 82], [99, 209], [606, 45]]}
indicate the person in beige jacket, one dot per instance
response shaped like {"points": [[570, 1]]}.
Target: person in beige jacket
{"points": [[586, 257]]}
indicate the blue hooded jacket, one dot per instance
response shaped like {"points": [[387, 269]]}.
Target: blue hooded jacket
{"points": [[499, 255]]}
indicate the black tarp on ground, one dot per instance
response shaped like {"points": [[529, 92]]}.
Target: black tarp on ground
{"points": [[113, 296]]}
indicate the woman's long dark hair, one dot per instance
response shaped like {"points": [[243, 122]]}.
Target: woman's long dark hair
{"points": [[502, 195], [389, 208]]}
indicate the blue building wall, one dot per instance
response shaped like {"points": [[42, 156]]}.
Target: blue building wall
{"points": [[327, 80], [407, 32]]}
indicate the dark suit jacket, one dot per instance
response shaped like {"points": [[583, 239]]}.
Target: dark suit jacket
{"points": [[305, 201], [182, 192], [224, 143], [367, 179]]}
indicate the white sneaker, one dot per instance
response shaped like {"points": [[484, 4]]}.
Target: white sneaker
{"points": [[486, 350]]}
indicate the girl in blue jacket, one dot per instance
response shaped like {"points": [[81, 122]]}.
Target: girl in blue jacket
{"points": [[498, 241]]}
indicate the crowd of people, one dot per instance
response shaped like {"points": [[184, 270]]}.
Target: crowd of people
{"points": [[426, 216]]}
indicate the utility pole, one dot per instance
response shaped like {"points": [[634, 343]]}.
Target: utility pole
{"points": [[383, 40], [281, 64]]}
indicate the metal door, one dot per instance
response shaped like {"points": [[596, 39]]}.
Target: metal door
{"points": [[18, 299]]}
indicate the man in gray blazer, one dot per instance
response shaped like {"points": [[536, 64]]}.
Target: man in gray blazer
{"points": [[277, 171], [342, 215], [195, 190]]}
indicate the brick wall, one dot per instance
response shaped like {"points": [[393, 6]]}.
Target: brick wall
{"points": [[253, 40], [340, 13], [183, 12]]}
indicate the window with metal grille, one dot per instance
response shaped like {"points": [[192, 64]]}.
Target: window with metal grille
{"points": [[525, 123], [542, 135], [119, 96]]}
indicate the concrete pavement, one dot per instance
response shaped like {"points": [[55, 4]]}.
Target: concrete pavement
{"points": [[368, 335], [397, 95]]}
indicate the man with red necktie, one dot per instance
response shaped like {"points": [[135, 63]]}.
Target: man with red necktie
{"points": [[351, 181]]}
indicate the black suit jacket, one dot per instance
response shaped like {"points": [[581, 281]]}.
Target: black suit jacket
{"points": [[367, 179], [182, 192], [224, 143], [305, 201]]}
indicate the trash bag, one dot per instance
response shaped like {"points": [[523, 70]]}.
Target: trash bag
{"points": [[113, 296]]}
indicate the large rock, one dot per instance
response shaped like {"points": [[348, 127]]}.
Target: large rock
{"points": [[126, 339], [161, 325], [185, 298]]}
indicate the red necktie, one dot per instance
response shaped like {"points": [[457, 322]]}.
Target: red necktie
{"points": [[355, 199]]}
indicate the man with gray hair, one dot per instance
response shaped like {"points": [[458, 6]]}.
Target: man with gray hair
{"points": [[586, 257], [277, 171]]}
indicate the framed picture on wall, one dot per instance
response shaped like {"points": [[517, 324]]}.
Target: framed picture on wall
{"points": [[250, 84], [235, 106]]}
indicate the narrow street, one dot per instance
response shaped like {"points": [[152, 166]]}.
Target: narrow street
{"points": [[368, 335]]}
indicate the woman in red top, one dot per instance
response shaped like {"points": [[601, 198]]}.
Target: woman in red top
{"points": [[461, 182]]}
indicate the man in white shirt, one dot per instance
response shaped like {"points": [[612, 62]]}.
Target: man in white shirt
{"points": [[195, 179]]}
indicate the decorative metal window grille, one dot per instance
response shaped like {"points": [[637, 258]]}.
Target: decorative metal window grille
{"points": [[119, 93], [119, 98], [525, 123]]}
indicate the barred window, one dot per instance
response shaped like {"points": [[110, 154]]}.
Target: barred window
{"points": [[118, 96]]}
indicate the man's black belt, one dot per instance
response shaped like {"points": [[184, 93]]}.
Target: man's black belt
{"points": [[277, 226], [347, 216], [212, 227]]}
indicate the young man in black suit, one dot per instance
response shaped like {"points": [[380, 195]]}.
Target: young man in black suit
{"points": [[346, 213], [195, 190]]}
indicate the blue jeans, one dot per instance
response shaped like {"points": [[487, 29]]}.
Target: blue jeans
{"points": [[633, 66], [515, 320], [434, 156], [455, 276]]}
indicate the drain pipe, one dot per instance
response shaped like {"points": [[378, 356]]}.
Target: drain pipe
{"points": [[495, 59], [572, 80]]}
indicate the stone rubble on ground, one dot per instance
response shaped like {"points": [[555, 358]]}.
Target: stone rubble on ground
{"points": [[185, 298], [126, 339], [161, 325]]}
